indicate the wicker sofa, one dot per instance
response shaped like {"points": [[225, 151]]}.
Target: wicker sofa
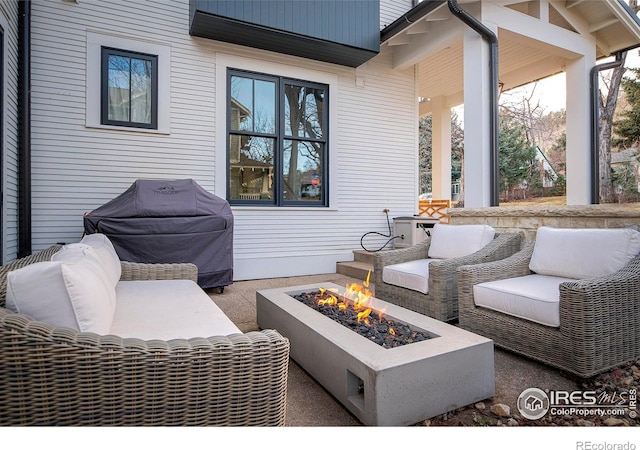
{"points": [[58, 376], [596, 322], [441, 299]]}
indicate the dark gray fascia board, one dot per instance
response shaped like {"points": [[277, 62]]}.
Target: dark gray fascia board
{"points": [[253, 35], [416, 13]]}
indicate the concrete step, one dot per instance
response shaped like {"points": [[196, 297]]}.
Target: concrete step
{"points": [[354, 269], [363, 256]]}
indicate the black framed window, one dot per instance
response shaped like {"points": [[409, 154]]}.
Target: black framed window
{"points": [[277, 146], [129, 89]]}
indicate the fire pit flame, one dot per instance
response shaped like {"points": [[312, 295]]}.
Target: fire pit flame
{"points": [[353, 308], [357, 294], [363, 316]]}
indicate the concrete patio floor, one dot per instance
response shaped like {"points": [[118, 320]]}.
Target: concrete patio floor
{"points": [[309, 405]]}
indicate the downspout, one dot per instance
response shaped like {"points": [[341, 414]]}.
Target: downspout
{"points": [[489, 36], [24, 129], [595, 124]]}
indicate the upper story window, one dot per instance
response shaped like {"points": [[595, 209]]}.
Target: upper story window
{"points": [[129, 89], [278, 136]]}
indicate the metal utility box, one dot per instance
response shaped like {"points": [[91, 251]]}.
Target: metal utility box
{"points": [[413, 229]]}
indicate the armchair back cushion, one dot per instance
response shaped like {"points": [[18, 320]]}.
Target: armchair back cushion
{"points": [[70, 291], [454, 241], [583, 253]]}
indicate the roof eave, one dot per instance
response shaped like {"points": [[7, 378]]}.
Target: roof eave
{"points": [[420, 11], [627, 18]]}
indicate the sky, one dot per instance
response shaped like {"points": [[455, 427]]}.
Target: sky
{"points": [[551, 91]]}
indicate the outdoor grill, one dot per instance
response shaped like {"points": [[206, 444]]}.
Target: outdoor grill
{"points": [[170, 221]]}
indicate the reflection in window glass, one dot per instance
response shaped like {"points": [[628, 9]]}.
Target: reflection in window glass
{"points": [[304, 111], [119, 92], [302, 170], [140, 91], [277, 141], [129, 89], [242, 103], [265, 110], [251, 167], [253, 104]]}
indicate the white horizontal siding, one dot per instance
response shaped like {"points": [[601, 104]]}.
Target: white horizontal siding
{"points": [[390, 10], [76, 168], [9, 20]]}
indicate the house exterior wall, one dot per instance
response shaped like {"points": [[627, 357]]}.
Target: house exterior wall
{"points": [[79, 165], [390, 10], [9, 25]]}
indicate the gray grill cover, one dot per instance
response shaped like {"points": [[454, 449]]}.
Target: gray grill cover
{"points": [[170, 221]]}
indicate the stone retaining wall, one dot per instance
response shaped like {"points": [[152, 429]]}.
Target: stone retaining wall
{"points": [[528, 218]]}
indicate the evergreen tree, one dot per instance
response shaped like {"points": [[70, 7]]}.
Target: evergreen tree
{"points": [[424, 153], [425, 126], [627, 128], [517, 158]]}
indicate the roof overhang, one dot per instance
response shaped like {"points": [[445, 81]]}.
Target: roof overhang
{"points": [[536, 39], [344, 32]]}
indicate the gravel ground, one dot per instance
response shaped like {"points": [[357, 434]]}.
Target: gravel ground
{"points": [[617, 384]]}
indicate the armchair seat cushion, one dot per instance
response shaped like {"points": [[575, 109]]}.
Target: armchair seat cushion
{"points": [[167, 309], [532, 297], [412, 275]]}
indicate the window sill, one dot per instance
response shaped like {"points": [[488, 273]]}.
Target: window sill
{"points": [[283, 208], [128, 129]]}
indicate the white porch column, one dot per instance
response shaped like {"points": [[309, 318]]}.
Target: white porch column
{"points": [[578, 157], [477, 134], [441, 146]]}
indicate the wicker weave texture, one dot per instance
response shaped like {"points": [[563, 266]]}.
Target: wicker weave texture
{"points": [[599, 318], [441, 302], [57, 376]]}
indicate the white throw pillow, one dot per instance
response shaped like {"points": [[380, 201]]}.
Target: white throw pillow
{"points": [[454, 241], [72, 291], [583, 253], [107, 254]]}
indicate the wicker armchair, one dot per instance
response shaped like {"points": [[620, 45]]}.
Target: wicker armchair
{"points": [[441, 302], [57, 376], [599, 318]]}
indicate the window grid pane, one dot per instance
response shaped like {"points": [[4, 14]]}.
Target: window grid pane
{"points": [[302, 171], [119, 87], [251, 167], [304, 112], [140, 91]]}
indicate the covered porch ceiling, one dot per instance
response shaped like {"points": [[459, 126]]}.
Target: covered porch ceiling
{"points": [[536, 39]]}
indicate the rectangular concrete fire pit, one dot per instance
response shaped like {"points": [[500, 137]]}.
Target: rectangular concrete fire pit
{"points": [[386, 387]]}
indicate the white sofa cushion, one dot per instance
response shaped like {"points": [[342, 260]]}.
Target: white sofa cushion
{"points": [[532, 297], [85, 255], [107, 254], [412, 275], [583, 253], [72, 291], [454, 241], [167, 309]]}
